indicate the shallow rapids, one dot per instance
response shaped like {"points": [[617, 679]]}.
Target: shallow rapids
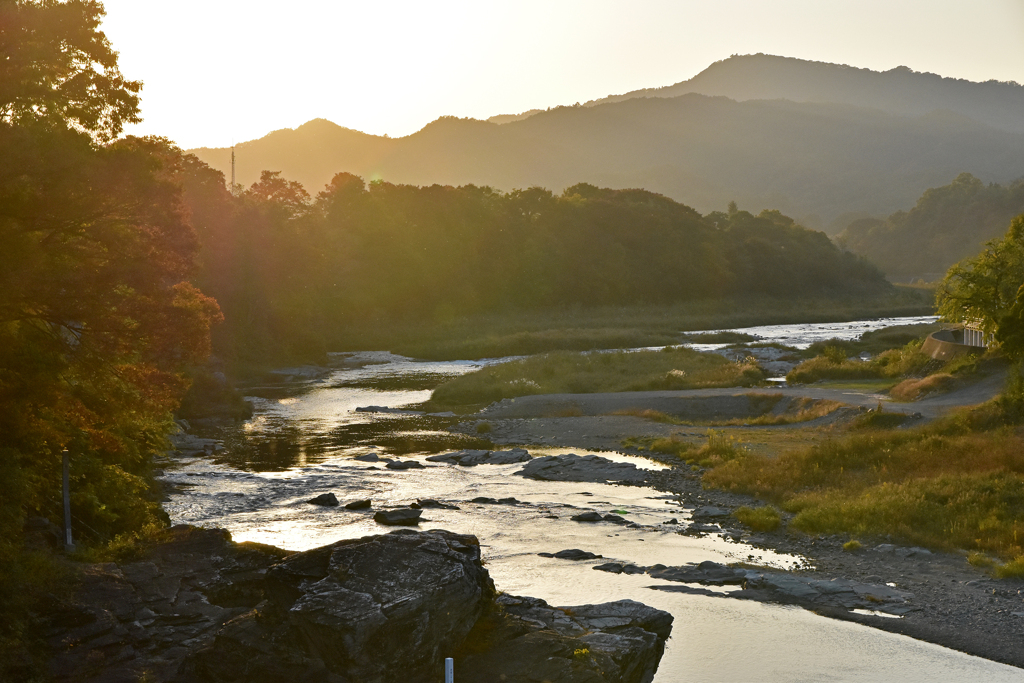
{"points": [[301, 442]]}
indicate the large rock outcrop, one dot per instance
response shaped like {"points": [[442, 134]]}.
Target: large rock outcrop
{"points": [[378, 609]]}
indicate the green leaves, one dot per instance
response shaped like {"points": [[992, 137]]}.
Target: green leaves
{"points": [[59, 70]]}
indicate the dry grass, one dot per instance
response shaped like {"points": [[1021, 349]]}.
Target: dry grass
{"points": [[913, 389], [937, 486], [571, 373], [765, 518]]}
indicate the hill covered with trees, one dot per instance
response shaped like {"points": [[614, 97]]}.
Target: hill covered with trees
{"points": [[292, 272], [948, 224]]}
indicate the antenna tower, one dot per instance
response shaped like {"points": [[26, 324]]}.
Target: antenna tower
{"points": [[232, 169]]}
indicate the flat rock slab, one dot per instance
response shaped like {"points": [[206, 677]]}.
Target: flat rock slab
{"points": [[785, 587], [588, 468], [572, 554], [426, 503], [484, 500], [359, 504], [471, 458], [405, 465], [401, 517]]}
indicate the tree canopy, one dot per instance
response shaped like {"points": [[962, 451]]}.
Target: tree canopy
{"points": [[987, 290], [59, 69], [99, 322]]}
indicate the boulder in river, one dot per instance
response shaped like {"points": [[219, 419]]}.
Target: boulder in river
{"points": [[615, 641], [364, 504], [325, 499], [572, 554], [400, 517], [198, 608], [471, 457], [405, 465], [591, 468], [588, 517]]}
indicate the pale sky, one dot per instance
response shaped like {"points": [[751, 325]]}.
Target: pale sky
{"points": [[219, 71]]}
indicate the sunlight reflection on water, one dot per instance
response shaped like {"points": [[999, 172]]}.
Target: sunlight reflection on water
{"points": [[302, 439]]}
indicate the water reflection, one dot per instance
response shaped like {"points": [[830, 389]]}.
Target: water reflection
{"points": [[298, 445]]}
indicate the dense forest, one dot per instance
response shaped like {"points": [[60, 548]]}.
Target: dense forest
{"points": [[948, 224], [292, 272]]}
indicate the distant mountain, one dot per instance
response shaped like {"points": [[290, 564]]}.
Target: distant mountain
{"points": [[897, 91], [800, 158], [947, 225]]}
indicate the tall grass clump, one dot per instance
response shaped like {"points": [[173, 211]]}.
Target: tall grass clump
{"points": [[764, 518], [941, 486], [568, 372]]}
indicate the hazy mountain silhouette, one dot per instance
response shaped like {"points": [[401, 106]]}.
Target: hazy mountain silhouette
{"points": [[804, 158], [898, 91]]}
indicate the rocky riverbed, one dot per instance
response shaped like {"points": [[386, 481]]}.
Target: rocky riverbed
{"points": [[197, 608], [931, 596]]}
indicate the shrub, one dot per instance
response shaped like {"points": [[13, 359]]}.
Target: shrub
{"points": [[913, 389], [483, 427], [1011, 570], [765, 518], [852, 546], [976, 559]]}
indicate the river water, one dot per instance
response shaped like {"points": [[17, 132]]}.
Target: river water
{"points": [[301, 441]]}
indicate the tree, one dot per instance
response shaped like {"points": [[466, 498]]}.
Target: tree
{"points": [[59, 70], [984, 290]]}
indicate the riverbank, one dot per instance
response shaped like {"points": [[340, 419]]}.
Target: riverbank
{"points": [[951, 603]]}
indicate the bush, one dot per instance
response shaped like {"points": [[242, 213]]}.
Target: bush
{"points": [[852, 546], [1011, 570], [913, 389], [765, 518]]}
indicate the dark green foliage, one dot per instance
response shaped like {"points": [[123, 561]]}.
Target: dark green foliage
{"points": [[948, 224], [98, 321], [294, 275]]}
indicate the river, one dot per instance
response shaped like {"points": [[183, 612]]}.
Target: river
{"points": [[301, 441]]}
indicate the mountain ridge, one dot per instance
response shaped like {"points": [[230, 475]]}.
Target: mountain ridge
{"points": [[804, 158]]}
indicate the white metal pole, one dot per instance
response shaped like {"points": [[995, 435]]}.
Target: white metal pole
{"points": [[449, 670], [68, 544]]}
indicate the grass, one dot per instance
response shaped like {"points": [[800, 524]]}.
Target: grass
{"points": [[761, 407], [915, 388], [833, 364], [957, 483], [514, 333], [764, 518], [569, 372]]}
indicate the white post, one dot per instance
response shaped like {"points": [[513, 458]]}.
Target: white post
{"points": [[449, 670], [66, 487]]}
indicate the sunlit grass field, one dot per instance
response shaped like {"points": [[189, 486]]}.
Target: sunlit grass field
{"points": [[515, 333], [955, 484], [564, 372]]}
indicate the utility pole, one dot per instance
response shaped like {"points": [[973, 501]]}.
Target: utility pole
{"points": [[232, 169], [66, 457]]}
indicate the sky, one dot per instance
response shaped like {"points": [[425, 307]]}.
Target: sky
{"points": [[216, 72]]}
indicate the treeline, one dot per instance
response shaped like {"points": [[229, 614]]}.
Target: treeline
{"points": [[947, 224], [293, 272]]}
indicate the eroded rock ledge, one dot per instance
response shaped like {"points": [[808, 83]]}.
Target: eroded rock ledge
{"points": [[200, 608]]}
